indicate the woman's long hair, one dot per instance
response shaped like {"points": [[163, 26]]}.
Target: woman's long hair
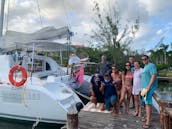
{"points": [[125, 70]]}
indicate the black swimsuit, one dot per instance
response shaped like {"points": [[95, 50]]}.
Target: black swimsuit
{"points": [[98, 94]]}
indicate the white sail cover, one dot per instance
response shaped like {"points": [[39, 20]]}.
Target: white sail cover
{"points": [[42, 39], [43, 45]]}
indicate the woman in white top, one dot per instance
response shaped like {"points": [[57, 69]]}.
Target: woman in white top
{"points": [[137, 87]]}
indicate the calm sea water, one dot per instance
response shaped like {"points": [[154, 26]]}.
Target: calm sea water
{"points": [[11, 124], [162, 87]]}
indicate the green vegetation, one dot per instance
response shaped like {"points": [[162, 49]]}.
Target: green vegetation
{"points": [[165, 73], [113, 38]]}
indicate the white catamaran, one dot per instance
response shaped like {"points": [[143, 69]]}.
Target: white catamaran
{"points": [[34, 87]]}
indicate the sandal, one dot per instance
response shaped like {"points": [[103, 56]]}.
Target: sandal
{"points": [[143, 119], [139, 115], [135, 114], [146, 126]]}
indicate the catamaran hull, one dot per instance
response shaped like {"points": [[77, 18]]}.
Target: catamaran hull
{"points": [[32, 119], [48, 104]]}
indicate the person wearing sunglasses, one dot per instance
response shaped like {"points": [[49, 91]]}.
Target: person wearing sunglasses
{"points": [[127, 85], [149, 82]]}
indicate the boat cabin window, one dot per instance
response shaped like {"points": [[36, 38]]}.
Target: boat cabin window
{"points": [[38, 66], [48, 66]]}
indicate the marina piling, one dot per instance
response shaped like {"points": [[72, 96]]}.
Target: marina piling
{"points": [[72, 121], [168, 118]]}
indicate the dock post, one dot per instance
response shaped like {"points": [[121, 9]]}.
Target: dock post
{"points": [[72, 121], [165, 120]]}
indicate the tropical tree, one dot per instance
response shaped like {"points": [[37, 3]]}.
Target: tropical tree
{"points": [[160, 56], [164, 52], [153, 55], [112, 35], [169, 58]]}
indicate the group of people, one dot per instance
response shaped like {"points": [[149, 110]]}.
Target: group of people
{"points": [[111, 88]]}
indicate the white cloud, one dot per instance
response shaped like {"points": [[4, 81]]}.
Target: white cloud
{"points": [[159, 32], [83, 32], [155, 17], [26, 4], [157, 7]]}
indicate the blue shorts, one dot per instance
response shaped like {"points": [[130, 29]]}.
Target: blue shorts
{"points": [[148, 98], [110, 101]]}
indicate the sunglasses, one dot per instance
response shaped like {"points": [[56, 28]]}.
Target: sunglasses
{"points": [[144, 58]]}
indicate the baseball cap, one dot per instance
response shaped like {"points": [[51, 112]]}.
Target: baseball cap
{"points": [[107, 74]]}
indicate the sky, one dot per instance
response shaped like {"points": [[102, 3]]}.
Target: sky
{"points": [[155, 18]]}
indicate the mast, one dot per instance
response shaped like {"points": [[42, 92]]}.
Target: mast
{"points": [[2, 17]]}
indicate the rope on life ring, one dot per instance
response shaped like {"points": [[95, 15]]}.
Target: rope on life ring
{"points": [[11, 73]]}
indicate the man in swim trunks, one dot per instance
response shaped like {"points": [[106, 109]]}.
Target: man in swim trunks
{"points": [[150, 82]]}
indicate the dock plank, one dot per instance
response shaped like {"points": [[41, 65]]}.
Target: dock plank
{"points": [[98, 120]]}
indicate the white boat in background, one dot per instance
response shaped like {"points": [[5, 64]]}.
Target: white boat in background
{"points": [[45, 95], [34, 87]]}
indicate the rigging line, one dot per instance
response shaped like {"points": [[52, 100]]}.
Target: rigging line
{"points": [[68, 24], [2, 4], [67, 17], [39, 11], [8, 8]]}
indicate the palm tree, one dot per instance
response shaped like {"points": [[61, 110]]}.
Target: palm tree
{"points": [[159, 56], [164, 48]]}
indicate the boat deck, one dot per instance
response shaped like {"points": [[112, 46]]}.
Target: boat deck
{"points": [[105, 120]]}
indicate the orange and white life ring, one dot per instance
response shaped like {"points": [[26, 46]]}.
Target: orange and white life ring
{"points": [[11, 75]]}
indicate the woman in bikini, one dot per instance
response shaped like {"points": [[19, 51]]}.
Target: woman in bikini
{"points": [[127, 85]]}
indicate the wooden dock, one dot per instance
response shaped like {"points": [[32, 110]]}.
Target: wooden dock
{"points": [[165, 79], [98, 120]]}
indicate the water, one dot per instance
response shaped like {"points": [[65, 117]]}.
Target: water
{"points": [[164, 91], [165, 87], [13, 124], [156, 105]]}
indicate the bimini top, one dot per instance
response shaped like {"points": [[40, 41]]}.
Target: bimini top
{"points": [[43, 39]]}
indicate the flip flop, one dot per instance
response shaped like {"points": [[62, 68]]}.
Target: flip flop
{"points": [[143, 119], [139, 115], [146, 126], [135, 114]]}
